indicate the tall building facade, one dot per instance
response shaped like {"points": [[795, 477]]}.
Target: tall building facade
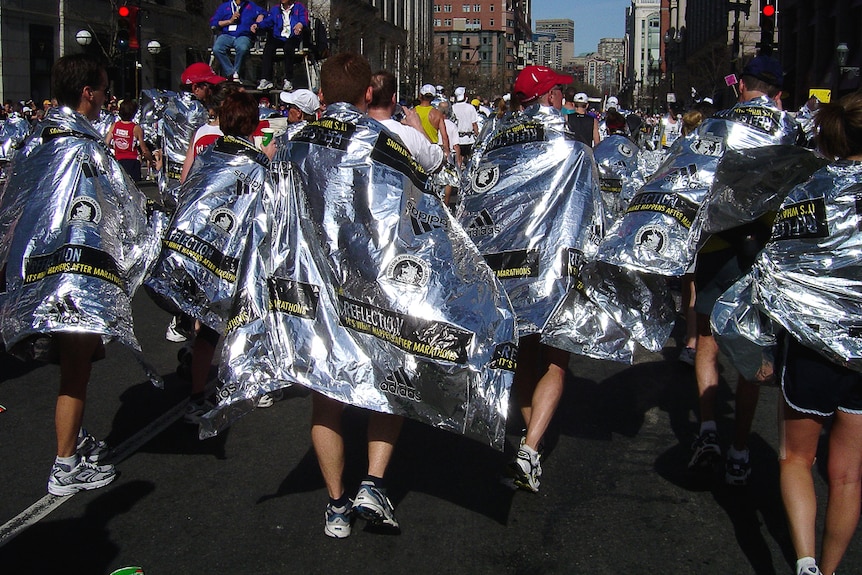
{"points": [[554, 43], [481, 44]]}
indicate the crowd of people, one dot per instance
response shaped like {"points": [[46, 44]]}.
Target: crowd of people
{"points": [[614, 200]]}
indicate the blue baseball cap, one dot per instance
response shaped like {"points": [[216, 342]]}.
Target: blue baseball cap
{"points": [[766, 69]]}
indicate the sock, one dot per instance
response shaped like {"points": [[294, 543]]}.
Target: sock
{"points": [[376, 481], [806, 565], [341, 502], [708, 426], [734, 453], [70, 461]]}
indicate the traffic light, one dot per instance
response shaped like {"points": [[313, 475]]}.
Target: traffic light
{"points": [[767, 27], [127, 28]]}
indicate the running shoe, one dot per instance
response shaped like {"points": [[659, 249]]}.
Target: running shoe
{"points": [[287, 86], [66, 479], [91, 448], [737, 470], [372, 505], [195, 410], [706, 451], [337, 521], [810, 570], [526, 468], [264, 84], [687, 356], [268, 399], [178, 331]]}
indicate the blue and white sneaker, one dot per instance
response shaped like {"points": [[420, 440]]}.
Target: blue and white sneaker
{"points": [[338, 520], [526, 468], [91, 448], [66, 479], [372, 505]]}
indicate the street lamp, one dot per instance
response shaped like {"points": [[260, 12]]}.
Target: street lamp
{"points": [[154, 47], [84, 38], [841, 52]]}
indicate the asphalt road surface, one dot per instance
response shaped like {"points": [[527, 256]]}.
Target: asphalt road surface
{"points": [[615, 495]]}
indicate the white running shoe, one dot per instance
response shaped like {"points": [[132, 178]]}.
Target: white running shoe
{"points": [[264, 84], [66, 480], [372, 505], [287, 86], [337, 521], [526, 469]]}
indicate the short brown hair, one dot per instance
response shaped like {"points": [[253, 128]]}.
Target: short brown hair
{"points": [[238, 115], [345, 77], [71, 74], [383, 87], [128, 109]]}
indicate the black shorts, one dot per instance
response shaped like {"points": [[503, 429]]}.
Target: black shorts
{"points": [[813, 384], [714, 273]]}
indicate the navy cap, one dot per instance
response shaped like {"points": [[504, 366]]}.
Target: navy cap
{"points": [[766, 69]]}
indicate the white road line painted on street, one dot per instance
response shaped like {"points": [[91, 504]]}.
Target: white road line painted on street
{"points": [[49, 503]]}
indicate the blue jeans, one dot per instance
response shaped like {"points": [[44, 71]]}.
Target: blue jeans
{"points": [[223, 44]]}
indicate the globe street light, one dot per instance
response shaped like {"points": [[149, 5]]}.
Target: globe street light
{"points": [[84, 38], [154, 47]]}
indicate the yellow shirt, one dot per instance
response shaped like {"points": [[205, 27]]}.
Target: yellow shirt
{"points": [[423, 112]]}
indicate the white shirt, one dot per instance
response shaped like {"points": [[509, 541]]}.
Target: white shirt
{"points": [[429, 155], [465, 117], [452, 132]]}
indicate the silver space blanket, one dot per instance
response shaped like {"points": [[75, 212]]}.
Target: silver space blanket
{"points": [[74, 238], [619, 175], [105, 121], [808, 277], [181, 115], [533, 208], [655, 235], [13, 132], [362, 287], [204, 242]]}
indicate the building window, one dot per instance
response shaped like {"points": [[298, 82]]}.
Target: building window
{"points": [[477, 7], [467, 40], [442, 41], [447, 22], [491, 7], [436, 7], [436, 21], [465, 7], [485, 41], [447, 8], [491, 22]]}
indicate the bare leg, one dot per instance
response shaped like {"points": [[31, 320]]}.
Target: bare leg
{"points": [[202, 357], [687, 304], [747, 394], [845, 469], [527, 375], [328, 441], [798, 450], [547, 394], [383, 432], [706, 369], [76, 354]]}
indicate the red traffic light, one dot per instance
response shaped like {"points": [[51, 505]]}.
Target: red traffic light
{"points": [[769, 10], [123, 11]]}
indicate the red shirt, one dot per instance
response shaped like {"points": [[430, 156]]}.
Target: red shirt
{"points": [[123, 140]]}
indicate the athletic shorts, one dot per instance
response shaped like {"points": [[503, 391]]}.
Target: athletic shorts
{"points": [[813, 384], [714, 273]]}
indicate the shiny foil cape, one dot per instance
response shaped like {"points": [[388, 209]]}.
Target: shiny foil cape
{"points": [[13, 132], [533, 208], [655, 234], [360, 286], [808, 278], [619, 175], [750, 183], [74, 236], [204, 242], [151, 107], [181, 116]]}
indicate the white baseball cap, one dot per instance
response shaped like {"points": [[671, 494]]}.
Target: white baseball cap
{"points": [[613, 102], [303, 99], [460, 93], [428, 90], [581, 98]]}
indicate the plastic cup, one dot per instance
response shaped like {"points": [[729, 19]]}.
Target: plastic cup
{"points": [[267, 137]]}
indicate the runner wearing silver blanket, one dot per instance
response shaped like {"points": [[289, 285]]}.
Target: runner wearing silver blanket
{"points": [[74, 246], [359, 285]]}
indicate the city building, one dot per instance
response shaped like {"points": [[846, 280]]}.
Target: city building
{"points": [[554, 43]]}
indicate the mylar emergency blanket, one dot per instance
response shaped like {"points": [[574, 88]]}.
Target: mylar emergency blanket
{"points": [[74, 237], [362, 287], [654, 235], [750, 183], [204, 242], [533, 208], [13, 132], [808, 278], [181, 116], [619, 176]]}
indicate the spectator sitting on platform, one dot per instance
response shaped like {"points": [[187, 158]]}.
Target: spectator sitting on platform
{"points": [[238, 21], [285, 25]]}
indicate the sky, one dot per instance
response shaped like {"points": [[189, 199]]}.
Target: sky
{"points": [[594, 19]]}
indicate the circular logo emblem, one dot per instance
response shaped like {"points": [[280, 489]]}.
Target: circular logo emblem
{"points": [[486, 178], [223, 219], [651, 238], [408, 270], [625, 150], [85, 210]]}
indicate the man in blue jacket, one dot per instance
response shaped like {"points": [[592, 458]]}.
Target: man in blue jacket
{"points": [[285, 25], [238, 21]]}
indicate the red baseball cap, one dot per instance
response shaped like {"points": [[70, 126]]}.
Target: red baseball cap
{"points": [[535, 81], [200, 72]]}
